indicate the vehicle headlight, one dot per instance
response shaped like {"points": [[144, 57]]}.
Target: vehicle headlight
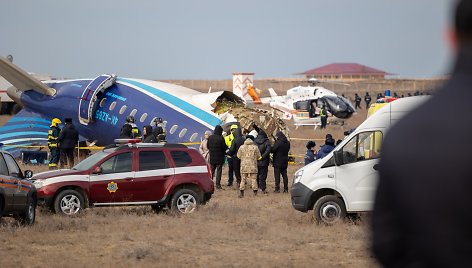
{"points": [[38, 183], [297, 176]]}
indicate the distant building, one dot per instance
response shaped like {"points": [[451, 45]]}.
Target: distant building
{"points": [[345, 71]]}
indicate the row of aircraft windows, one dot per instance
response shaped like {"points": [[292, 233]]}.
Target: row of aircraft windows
{"points": [[143, 117]]}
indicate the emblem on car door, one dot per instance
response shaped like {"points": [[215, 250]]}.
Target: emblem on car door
{"points": [[112, 187]]}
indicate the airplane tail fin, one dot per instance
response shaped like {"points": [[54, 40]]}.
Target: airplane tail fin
{"points": [[272, 92], [26, 131], [252, 92], [248, 93]]}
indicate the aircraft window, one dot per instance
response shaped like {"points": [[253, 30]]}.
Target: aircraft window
{"points": [[164, 123], [102, 102], [173, 129], [152, 121], [112, 105], [123, 109], [133, 112], [182, 132], [302, 105], [193, 137], [143, 117]]}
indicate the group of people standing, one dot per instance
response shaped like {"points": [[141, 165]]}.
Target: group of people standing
{"points": [[367, 99], [311, 154], [61, 143], [248, 157], [149, 134]]}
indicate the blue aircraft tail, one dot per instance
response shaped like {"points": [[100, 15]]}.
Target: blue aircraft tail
{"points": [[25, 131]]}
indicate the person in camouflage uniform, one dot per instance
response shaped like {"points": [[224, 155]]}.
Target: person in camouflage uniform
{"points": [[248, 153]]}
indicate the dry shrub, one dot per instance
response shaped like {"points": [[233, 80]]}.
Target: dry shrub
{"points": [[139, 253]]}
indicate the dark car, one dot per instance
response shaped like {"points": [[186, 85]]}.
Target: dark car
{"points": [[161, 175], [17, 194]]}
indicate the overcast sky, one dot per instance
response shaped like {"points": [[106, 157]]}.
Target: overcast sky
{"points": [[211, 39]]}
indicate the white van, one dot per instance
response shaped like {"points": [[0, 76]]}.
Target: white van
{"points": [[345, 180]]}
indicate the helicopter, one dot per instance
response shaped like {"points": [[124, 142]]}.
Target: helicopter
{"points": [[303, 103]]}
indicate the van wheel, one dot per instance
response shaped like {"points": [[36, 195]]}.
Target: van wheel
{"points": [[184, 201], [69, 202], [329, 209]]}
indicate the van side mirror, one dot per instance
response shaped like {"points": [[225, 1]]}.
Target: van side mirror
{"points": [[28, 174], [338, 157]]}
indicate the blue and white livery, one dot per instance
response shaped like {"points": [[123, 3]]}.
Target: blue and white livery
{"points": [[98, 107]]}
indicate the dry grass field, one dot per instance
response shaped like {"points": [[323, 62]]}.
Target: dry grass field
{"points": [[261, 231]]}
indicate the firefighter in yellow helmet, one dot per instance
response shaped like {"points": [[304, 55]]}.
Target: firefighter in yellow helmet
{"points": [[53, 134]]}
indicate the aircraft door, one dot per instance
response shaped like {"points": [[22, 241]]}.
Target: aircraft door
{"points": [[89, 96]]}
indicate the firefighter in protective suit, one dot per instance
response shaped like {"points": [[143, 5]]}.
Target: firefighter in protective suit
{"points": [[130, 129], [53, 134]]}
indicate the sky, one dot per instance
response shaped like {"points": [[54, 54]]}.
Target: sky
{"points": [[211, 39]]}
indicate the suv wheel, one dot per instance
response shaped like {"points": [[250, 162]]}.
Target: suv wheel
{"points": [[28, 217], [69, 202], [184, 201], [329, 209]]}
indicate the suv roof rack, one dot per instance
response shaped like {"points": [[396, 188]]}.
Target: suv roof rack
{"points": [[144, 145], [159, 144]]}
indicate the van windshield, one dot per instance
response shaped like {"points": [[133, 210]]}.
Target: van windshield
{"points": [[88, 162]]}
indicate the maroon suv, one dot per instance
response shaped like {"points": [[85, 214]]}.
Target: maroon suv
{"points": [[161, 175]]}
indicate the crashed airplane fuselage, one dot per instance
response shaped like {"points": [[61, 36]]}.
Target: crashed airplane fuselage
{"points": [[99, 107]]}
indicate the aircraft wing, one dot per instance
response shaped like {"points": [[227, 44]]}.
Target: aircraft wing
{"points": [[21, 79]]}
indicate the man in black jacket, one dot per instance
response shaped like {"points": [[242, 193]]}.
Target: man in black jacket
{"points": [[233, 151], [422, 215], [280, 151], [217, 147], [367, 100], [148, 135], [68, 139], [263, 143]]}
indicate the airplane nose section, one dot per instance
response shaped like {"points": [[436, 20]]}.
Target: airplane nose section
{"points": [[15, 95]]}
